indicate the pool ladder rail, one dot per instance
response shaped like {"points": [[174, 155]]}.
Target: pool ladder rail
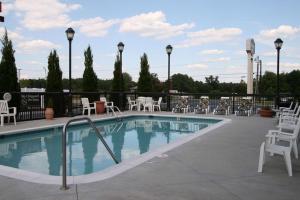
{"points": [[64, 147], [112, 109]]}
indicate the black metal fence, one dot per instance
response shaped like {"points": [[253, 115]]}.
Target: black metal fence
{"points": [[32, 104]]}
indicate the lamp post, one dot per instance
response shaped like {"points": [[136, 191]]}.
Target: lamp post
{"points": [[278, 44], [169, 49], [121, 48], [70, 34]]}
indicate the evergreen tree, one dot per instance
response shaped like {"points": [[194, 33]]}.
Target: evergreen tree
{"points": [[54, 78], [54, 84], [117, 83], [8, 71], [90, 80], [145, 80]]}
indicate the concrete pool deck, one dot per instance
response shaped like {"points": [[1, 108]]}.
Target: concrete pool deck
{"points": [[219, 165]]}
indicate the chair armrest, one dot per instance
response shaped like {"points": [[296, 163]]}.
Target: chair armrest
{"points": [[110, 103], [14, 109]]}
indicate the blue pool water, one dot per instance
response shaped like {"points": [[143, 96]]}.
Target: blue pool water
{"points": [[40, 151]]}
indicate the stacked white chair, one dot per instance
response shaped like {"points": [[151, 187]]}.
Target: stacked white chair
{"points": [[272, 146], [131, 104], [5, 112]]}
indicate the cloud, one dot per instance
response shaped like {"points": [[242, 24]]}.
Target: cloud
{"points": [[94, 27], [44, 14], [197, 66], [211, 52], [283, 31], [211, 35], [221, 59], [7, 8], [283, 66], [36, 45], [153, 24], [12, 35], [269, 53]]}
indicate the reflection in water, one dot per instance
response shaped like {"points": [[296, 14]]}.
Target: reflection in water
{"points": [[117, 139], [53, 148], [128, 138], [90, 148]]}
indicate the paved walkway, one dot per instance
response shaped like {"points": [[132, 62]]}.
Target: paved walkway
{"points": [[219, 165]]}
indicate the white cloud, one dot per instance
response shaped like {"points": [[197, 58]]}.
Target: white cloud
{"points": [[211, 52], [153, 24], [94, 27], [12, 35], [44, 14], [36, 45], [211, 35], [221, 59], [6, 8], [269, 53], [283, 66], [283, 31], [197, 66]]}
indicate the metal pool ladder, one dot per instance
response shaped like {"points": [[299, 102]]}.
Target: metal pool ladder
{"points": [[64, 147]]}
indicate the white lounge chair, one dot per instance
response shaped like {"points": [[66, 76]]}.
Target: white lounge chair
{"points": [[223, 107], [203, 106], [156, 104], [5, 112], [86, 105], [131, 103], [291, 111]]}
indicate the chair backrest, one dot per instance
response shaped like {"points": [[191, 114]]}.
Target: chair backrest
{"points": [[291, 105], [4, 107], [128, 99], [297, 129], [159, 100], [296, 106], [141, 99], [85, 102], [104, 100], [148, 100]]}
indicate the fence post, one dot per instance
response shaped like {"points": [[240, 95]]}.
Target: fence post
{"points": [[233, 102]]}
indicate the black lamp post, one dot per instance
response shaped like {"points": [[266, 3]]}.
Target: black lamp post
{"points": [[278, 44], [169, 49], [70, 34], [121, 48]]}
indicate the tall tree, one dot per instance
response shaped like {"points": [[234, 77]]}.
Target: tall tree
{"points": [[8, 71], [54, 83], [117, 82], [145, 81], [90, 80]]}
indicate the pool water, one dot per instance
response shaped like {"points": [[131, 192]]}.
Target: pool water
{"points": [[40, 151]]}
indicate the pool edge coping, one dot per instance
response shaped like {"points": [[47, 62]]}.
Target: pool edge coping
{"points": [[112, 171]]}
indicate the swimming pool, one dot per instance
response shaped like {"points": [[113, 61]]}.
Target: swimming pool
{"points": [[129, 137]]}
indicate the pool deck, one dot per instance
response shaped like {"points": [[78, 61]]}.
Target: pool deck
{"points": [[219, 165]]}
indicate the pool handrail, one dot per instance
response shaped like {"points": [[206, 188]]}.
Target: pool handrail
{"points": [[64, 147]]}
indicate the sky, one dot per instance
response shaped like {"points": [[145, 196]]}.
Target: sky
{"points": [[208, 36]]}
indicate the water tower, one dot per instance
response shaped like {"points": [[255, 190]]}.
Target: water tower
{"points": [[250, 49]]}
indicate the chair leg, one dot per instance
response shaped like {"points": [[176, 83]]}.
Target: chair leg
{"points": [[2, 120], [295, 148], [82, 111], [15, 120], [288, 163], [261, 157], [8, 120]]}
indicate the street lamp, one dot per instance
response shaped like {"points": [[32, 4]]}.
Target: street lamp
{"points": [[121, 48], [70, 34], [278, 44], [169, 49]]}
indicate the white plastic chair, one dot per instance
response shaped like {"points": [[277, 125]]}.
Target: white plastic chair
{"points": [[5, 112], [107, 104], [86, 105], [275, 149], [148, 104], [131, 103], [156, 104]]}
